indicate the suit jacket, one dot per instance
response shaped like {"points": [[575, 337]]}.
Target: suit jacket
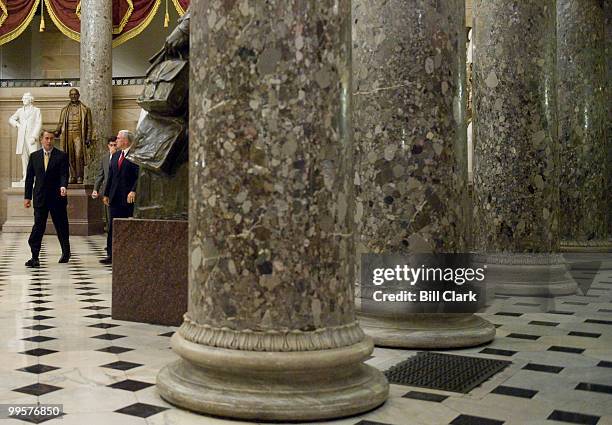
{"points": [[120, 182], [102, 176], [43, 187]]}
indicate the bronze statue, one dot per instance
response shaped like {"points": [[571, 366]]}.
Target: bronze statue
{"points": [[74, 130], [161, 148]]}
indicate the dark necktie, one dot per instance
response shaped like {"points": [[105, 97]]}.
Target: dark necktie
{"points": [[121, 158]]}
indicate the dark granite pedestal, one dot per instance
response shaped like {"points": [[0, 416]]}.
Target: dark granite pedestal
{"points": [[150, 271]]}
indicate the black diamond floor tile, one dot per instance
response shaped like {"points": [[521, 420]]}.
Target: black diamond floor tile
{"points": [[38, 352], [39, 327], [115, 349], [523, 336], [585, 334], [604, 363], [40, 309], [37, 389], [508, 313], [444, 371], [366, 422], [40, 317], [561, 349], [598, 388], [141, 410], [573, 418], [498, 352], [536, 367], [121, 365], [131, 385], [108, 337], [514, 392], [419, 395], [475, 420], [543, 323], [38, 368], [599, 322], [98, 316], [103, 325], [38, 338]]}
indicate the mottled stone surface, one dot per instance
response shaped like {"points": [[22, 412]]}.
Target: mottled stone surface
{"points": [[608, 35], [409, 120], [582, 121], [411, 174], [271, 193], [150, 285], [516, 152], [270, 333], [96, 77]]}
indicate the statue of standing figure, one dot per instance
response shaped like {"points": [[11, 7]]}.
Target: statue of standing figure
{"points": [[28, 122], [74, 130]]}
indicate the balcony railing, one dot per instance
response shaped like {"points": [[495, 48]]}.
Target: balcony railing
{"points": [[65, 82]]}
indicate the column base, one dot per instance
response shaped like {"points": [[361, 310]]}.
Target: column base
{"points": [[428, 331], [273, 386], [593, 261], [588, 247], [528, 274]]}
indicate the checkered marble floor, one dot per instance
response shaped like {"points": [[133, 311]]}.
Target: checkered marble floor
{"points": [[59, 344]]}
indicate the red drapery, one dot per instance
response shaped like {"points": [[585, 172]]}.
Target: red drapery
{"points": [[130, 17], [15, 16], [181, 6]]}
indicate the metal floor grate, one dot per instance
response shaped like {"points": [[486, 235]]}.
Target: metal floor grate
{"points": [[445, 372]]}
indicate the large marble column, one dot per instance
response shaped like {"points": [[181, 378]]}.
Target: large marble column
{"points": [[582, 121], [96, 76], [516, 157], [410, 130], [271, 332]]}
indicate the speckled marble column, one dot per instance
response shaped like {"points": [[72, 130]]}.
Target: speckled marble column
{"points": [[96, 77], [410, 130], [608, 36], [271, 332], [516, 152], [582, 121]]}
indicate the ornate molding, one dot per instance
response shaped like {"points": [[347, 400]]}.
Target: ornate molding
{"points": [[271, 341]]}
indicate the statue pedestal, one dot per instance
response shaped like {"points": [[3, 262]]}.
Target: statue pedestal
{"points": [[150, 263], [85, 215]]}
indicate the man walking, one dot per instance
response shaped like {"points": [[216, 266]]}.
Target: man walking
{"points": [[45, 184], [120, 190], [102, 176]]}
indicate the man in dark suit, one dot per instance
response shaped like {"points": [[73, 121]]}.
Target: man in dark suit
{"points": [[102, 176], [120, 190], [47, 180]]}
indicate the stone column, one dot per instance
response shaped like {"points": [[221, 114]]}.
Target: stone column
{"points": [[410, 130], [96, 76], [516, 157], [271, 332], [582, 121], [608, 35]]}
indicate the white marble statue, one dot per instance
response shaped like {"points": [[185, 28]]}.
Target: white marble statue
{"points": [[28, 121]]}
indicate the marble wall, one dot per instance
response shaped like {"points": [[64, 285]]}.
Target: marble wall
{"points": [[50, 100]]}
